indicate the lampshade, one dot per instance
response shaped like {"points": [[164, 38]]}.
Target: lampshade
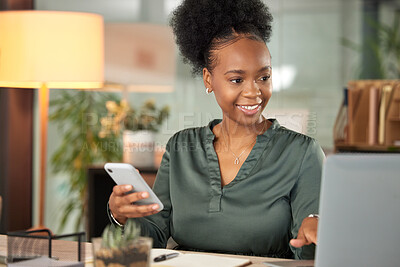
{"points": [[60, 49], [50, 49]]}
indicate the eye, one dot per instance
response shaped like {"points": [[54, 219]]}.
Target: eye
{"points": [[237, 80], [265, 78]]}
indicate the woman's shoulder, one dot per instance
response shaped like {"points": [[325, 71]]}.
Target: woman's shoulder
{"points": [[189, 133], [291, 137], [193, 134], [297, 145]]}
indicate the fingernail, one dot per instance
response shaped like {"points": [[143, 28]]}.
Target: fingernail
{"points": [[128, 187], [145, 194], [155, 207]]}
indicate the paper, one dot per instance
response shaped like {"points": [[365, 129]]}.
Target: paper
{"points": [[196, 260]]}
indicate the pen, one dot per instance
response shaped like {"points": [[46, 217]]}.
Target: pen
{"points": [[166, 257]]}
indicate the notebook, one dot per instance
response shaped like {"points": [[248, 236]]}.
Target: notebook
{"points": [[196, 260], [359, 212]]}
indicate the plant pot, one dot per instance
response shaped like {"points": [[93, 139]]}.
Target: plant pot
{"points": [[135, 254], [138, 148]]}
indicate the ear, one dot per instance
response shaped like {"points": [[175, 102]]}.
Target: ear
{"points": [[207, 78]]}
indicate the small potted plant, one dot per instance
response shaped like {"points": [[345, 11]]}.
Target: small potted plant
{"points": [[138, 127], [122, 247]]}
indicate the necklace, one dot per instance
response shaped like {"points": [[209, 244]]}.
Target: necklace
{"points": [[237, 158]]}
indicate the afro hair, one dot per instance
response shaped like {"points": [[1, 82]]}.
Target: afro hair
{"points": [[201, 26]]}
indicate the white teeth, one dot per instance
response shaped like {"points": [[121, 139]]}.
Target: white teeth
{"points": [[250, 107]]}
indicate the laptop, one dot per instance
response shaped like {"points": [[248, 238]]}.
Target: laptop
{"points": [[359, 221]]}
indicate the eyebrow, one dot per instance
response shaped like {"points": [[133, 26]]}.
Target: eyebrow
{"points": [[242, 71]]}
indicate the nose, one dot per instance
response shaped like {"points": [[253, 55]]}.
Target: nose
{"points": [[252, 90]]}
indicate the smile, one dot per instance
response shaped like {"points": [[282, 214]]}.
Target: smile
{"points": [[249, 109]]}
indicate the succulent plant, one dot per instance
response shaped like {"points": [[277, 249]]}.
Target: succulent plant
{"points": [[117, 237], [124, 247]]}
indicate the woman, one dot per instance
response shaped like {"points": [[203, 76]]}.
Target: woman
{"points": [[242, 184]]}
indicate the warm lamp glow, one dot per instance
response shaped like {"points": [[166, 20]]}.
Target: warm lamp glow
{"points": [[35, 48], [50, 49]]}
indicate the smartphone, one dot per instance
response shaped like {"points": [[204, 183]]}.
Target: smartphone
{"points": [[124, 173]]}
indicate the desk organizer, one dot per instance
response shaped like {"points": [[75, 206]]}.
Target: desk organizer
{"points": [[41, 243], [369, 119]]}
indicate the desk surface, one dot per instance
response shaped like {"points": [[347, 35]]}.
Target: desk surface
{"points": [[62, 248]]}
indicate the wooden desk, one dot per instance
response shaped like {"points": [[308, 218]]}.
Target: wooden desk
{"points": [[62, 248]]}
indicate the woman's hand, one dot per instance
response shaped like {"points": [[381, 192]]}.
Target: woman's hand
{"points": [[122, 205], [307, 233]]}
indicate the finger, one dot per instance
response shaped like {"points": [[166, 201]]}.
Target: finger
{"points": [[144, 209], [133, 197], [297, 243], [121, 204], [120, 190], [300, 240], [312, 237], [139, 211], [310, 232]]}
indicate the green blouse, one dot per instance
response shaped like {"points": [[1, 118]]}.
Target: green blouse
{"points": [[256, 214]]}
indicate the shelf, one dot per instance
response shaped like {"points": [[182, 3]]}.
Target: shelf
{"points": [[342, 147]]}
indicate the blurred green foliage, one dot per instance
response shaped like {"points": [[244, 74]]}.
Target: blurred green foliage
{"points": [[148, 117], [385, 48], [77, 113], [121, 116]]}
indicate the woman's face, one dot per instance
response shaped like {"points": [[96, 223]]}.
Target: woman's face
{"points": [[241, 80]]}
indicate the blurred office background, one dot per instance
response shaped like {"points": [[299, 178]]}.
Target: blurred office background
{"points": [[310, 68]]}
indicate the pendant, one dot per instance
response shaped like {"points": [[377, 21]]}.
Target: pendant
{"points": [[236, 162]]}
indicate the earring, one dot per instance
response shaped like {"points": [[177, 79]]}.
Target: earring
{"points": [[208, 91]]}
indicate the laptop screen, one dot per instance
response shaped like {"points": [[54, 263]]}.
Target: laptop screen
{"points": [[360, 211]]}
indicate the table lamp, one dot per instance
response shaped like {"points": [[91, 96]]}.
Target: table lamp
{"points": [[50, 49]]}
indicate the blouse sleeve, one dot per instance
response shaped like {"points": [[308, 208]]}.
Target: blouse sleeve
{"points": [[304, 196], [157, 226]]}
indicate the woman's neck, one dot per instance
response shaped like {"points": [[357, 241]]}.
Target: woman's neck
{"points": [[238, 135]]}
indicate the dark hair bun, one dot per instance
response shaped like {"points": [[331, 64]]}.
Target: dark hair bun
{"points": [[197, 23]]}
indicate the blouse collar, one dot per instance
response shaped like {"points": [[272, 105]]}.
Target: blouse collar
{"points": [[266, 135]]}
